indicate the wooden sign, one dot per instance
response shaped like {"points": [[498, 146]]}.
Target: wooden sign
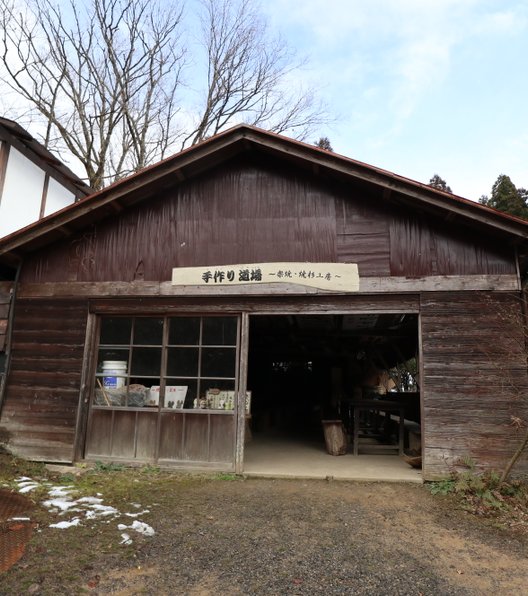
{"points": [[336, 277]]}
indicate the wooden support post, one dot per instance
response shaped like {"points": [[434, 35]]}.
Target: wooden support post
{"points": [[241, 397]]}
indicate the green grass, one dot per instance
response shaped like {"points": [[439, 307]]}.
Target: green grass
{"points": [[226, 476], [482, 492], [94, 546]]}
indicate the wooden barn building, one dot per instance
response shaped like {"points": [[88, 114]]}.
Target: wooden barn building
{"points": [[253, 286]]}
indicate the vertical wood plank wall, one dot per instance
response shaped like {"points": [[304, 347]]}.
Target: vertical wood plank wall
{"points": [[474, 379], [5, 302], [42, 391], [474, 376], [244, 213], [258, 210], [6, 288]]}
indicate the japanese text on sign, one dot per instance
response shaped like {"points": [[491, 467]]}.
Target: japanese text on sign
{"points": [[327, 276]]}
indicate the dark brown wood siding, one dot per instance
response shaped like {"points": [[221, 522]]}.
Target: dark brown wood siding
{"points": [[6, 288], [474, 379], [420, 246], [363, 235], [5, 303], [237, 215], [249, 212], [388, 240], [42, 392]]}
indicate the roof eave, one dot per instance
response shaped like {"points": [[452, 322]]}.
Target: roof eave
{"points": [[209, 153]]}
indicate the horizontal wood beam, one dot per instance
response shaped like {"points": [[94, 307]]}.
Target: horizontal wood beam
{"points": [[65, 231], [440, 283], [367, 285]]}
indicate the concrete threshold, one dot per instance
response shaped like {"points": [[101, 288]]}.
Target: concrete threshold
{"points": [[287, 458]]}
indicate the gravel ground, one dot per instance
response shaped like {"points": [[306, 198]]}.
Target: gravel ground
{"points": [[308, 537]]}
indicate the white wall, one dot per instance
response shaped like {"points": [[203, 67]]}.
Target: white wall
{"points": [[57, 197], [21, 198], [22, 194]]}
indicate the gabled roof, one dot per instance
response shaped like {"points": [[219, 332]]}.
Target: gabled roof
{"points": [[244, 139], [19, 137]]}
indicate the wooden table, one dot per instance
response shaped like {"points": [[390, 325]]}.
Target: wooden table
{"points": [[355, 406]]}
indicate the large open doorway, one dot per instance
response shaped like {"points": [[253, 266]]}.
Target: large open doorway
{"points": [[358, 369]]}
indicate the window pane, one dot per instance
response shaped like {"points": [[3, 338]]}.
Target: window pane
{"points": [[148, 331], [219, 393], [184, 331], [138, 394], [179, 394], [146, 362], [219, 331], [111, 354], [180, 390], [218, 362], [115, 331], [134, 396], [182, 362]]}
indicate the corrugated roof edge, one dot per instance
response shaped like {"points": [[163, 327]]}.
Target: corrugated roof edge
{"points": [[287, 146]]}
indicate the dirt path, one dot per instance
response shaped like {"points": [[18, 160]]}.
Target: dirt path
{"points": [[295, 537]]}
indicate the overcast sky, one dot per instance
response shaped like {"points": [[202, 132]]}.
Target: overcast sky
{"points": [[420, 86]]}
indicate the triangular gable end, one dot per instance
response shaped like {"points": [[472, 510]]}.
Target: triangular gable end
{"points": [[247, 140]]}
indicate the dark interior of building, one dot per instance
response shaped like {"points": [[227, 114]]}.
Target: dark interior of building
{"points": [[304, 369]]}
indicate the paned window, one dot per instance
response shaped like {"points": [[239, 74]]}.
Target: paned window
{"points": [[176, 362]]}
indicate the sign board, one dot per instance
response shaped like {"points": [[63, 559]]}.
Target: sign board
{"points": [[336, 277]]}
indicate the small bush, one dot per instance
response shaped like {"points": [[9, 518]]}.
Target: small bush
{"points": [[481, 492], [108, 467], [442, 487], [226, 476]]}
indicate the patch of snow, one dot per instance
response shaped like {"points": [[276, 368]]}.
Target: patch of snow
{"points": [[143, 528], [137, 514], [104, 509], [63, 504], [139, 527], [66, 524], [19, 519], [126, 539], [60, 491], [89, 500], [27, 488], [62, 501], [72, 510]]}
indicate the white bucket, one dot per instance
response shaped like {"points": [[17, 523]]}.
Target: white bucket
{"points": [[114, 372]]}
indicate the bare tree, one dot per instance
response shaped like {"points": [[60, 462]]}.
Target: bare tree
{"points": [[248, 73], [106, 77]]}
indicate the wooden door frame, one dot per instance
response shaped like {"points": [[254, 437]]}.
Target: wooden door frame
{"points": [[244, 354], [87, 375]]}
